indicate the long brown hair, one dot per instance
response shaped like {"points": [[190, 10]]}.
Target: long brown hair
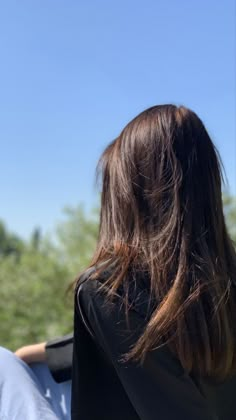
{"points": [[161, 213]]}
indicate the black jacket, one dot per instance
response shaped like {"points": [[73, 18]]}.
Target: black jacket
{"points": [[59, 357], [105, 388]]}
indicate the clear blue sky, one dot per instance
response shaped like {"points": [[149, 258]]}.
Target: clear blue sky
{"points": [[74, 72]]}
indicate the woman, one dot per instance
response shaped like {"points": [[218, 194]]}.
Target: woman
{"points": [[155, 327]]}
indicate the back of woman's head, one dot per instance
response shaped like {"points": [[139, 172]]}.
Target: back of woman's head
{"points": [[161, 213]]}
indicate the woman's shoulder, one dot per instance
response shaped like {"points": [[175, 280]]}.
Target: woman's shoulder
{"points": [[90, 290], [90, 281], [134, 290]]}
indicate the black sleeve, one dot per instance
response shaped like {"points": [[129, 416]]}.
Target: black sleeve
{"points": [[59, 357], [159, 388]]}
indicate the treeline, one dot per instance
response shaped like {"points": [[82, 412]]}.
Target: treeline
{"points": [[35, 274]]}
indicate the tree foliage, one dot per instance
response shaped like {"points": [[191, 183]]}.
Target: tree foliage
{"points": [[77, 237], [34, 304], [10, 244], [230, 214]]}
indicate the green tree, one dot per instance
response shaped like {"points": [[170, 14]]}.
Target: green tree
{"points": [[36, 239], [77, 237], [34, 305], [230, 214], [10, 244]]}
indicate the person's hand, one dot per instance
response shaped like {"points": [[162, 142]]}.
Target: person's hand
{"points": [[32, 353]]}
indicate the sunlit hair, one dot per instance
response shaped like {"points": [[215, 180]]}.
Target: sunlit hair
{"points": [[161, 213]]}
